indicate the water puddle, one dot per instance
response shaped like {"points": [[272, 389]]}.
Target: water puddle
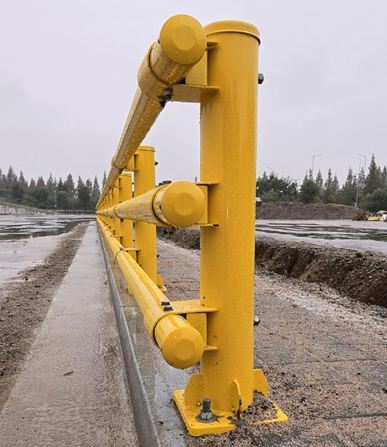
{"points": [[370, 236], [25, 241], [24, 227]]}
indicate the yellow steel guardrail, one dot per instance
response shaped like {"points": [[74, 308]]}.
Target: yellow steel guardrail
{"points": [[216, 66]]}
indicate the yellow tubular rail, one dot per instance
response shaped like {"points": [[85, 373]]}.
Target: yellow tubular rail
{"points": [[181, 45], [179, 204], [216, 329], [181, 345]]}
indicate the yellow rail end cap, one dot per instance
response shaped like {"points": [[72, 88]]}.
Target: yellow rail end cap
{"points": [[181, 345], [183, 204], [183, 40]]}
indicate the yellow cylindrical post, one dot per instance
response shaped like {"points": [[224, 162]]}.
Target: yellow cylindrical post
{"points": [[116, 201], [144, 179], [126, 225], [228, 156]]}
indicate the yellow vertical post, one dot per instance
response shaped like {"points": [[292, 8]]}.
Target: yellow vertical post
{"points": [[125, 193], [116, 222], [228, 157], [145, 235], [109, 203]]}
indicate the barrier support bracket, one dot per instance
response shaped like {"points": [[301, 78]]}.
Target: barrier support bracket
{"points": [[189, 403]]}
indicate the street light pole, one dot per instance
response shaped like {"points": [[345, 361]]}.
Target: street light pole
{"points": [[315, 155]]}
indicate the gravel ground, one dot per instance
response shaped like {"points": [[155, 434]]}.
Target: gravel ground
{"points": [[323, 353], [24, 302], [361, 275]]}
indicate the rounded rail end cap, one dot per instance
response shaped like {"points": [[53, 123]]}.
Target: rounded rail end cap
{"points": [[182, 347], [183, 39], [183, 204]]}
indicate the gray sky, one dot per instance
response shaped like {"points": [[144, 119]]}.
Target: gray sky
{"points": [[68, 74]]}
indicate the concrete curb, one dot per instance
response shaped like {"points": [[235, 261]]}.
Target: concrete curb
{"points": [[146, 430]]}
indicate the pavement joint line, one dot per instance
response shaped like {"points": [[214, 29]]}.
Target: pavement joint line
{"points": [[146, 430]]}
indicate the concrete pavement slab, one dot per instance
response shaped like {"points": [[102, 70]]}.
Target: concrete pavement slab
{"points": [[72, 390]]}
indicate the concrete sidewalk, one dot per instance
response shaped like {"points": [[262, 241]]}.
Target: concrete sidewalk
{"points": [[72, 390]]}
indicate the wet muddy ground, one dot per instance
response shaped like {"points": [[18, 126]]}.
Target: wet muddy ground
{"points": [[15, 227], [26, 298], [25, 241]]}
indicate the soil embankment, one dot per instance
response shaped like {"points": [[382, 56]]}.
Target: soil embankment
{"points": [[299, 211], [358, 274]]}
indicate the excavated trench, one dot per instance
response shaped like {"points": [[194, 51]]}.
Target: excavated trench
{"points": [[358, 274]]}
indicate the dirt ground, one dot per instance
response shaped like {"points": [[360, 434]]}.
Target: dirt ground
{"points": [[24, 303], [323, 354], [298, 211], [357, 274]]}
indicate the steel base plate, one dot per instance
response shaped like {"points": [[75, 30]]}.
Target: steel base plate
{"points": [[224, 421]]}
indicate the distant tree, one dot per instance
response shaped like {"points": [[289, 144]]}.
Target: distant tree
{"points": [[22, 181], [17, 192], [39, 197], [375, 201], [51, 186], [319, 181], [104, 179], [61, 186], [3, 183], [70, 187], [335, 187], [309, 191], [361, 180], [40, 183], [83, 195], [95, 193], [11, 177], [373, 180], [347, 194], [89, 186], [384, 177], [32, 185], [330, 188], [62, 200], [41, 194], [275, 189]]}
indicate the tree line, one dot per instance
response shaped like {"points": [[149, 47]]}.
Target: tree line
{"points": [[50, 194], [367, 191]]}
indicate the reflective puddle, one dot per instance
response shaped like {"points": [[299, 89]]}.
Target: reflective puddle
{"points": [[370, 236], [23, 227], [25, 241]]}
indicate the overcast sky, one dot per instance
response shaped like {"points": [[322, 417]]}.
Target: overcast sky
{"points": [[68, 74]]}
